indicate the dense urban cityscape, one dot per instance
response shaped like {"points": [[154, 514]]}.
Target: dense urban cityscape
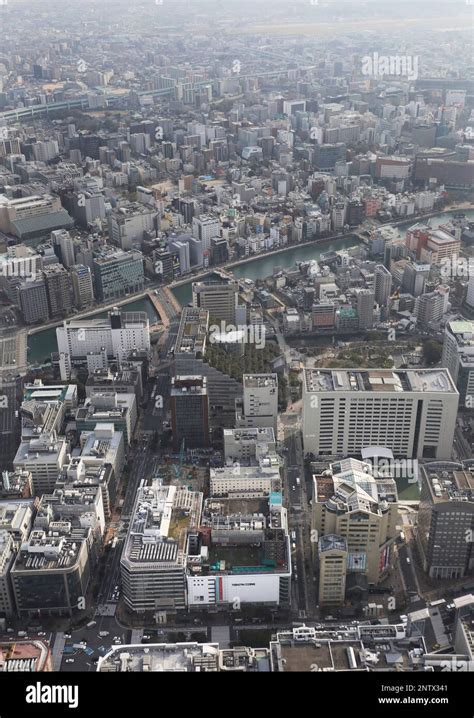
{"points": [[236, 343]]}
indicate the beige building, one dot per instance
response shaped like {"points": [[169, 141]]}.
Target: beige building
{"points": [[220, 299], [360, 508], [332, 554]]}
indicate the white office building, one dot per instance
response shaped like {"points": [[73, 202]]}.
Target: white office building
{"points": [[44, 457], [411, 412], [245, 444], [119, 334], [206, 228], [260, 401], [458, 357]]}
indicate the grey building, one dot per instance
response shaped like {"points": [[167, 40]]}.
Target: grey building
{"points": [[382, 285], [33, 300], [58, 288], [414, 278], [82, 286], [190, 411], [189, 359], [458, 357], [9, 426], [7, 557], [365, 308], [153, 562], [219, 298], [445, 534], [118, 273], [51, 571]]}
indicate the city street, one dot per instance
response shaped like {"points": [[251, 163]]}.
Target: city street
{"points": [[299, 518]]}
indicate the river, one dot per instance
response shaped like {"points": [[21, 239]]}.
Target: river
{"points": [[41, 345]]}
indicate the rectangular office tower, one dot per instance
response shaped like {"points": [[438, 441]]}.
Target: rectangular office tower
{"points": [[114, 336], [190, 411], [260, 402], [411, 412], [458, 357], [219, 298], [153, 562], [446, 521]]}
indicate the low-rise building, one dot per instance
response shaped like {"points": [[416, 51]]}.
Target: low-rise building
{"points": [[240, 556], [184, 658]]}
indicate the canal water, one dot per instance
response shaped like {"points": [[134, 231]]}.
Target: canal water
{"points": [[262, 267], [41, 345]]}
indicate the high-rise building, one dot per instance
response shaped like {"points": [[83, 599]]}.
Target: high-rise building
{"points": [[432, 245], [326, 155], [332, 562], [362, 509], [190, 411], [219, 251], [365, 308], [51, 571], [129, 224], [88, 206], [20, 262], [163, 264], [119, 334], [219, 298], [58, 288], [355, 212], [414, 278], [431, 307], [82, 286], [153, 563], [382, 285], [9, 427], [178, 245], [7, 557], [44, 458], [33, 300], [190, 360], [446, 521], [260, 401], [470, 293], [206, 228], [108, 410], [117, 274], [63, 246], [411, 412], [458, 357]]}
